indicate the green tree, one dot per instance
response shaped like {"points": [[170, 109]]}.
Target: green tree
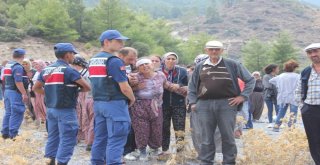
{"points": [[50, 17], [193, 47], [143, 48], [76, 11], [283, 49], [14, 11], [255, 55]]}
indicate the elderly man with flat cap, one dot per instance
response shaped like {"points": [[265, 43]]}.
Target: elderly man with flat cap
{"points": [[15, 94], [308, 94], [215, 96]]}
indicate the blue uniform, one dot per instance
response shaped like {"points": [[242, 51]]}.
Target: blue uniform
{"points": [[60, 98], [112, 120], [14, 106]]}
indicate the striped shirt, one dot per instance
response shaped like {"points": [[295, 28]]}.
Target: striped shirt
{"points": [[215, 81], [313, 93]]}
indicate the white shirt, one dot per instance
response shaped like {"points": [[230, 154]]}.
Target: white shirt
{"points": [[208, 62], [286, 84]]}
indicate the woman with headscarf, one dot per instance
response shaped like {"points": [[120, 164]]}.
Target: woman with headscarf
{"points": [[38, 99], [256, 98], [147, 110], [174, 105], [26, 63]]}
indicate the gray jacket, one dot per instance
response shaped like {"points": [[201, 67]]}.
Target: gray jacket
{"points": [[236, 71]]}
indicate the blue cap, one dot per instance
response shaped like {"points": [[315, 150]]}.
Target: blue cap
{"points": [[64, 47], [19, 52], [112, 34]]}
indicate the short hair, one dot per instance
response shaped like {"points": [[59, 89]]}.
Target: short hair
{"points": [[60, 54], [269, 68], [102, 42], [125, 51], [18, 56], [157, 56], [290, 66]]}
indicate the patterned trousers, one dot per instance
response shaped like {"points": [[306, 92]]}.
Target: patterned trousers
{"points": [[147, 126], [178, 116]]}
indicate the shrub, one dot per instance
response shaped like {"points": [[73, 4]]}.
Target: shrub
{"points": [[34, 31], [88, 46], [11, 34]]}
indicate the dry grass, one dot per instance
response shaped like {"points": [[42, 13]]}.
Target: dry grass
{"points": [[24, 150], [290, 147]]}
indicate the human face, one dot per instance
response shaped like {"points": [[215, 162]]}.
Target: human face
{"points": [[314, 55], [145, 69], [114, 45], [214, 53], [276, 71], [70, 57], [156, 61], [130, 59], [170, 61], [36, 66], [26, 65], [256, 76]]}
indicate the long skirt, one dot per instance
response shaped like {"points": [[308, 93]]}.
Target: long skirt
{"points": [[146, 124], [82, 115], [90, 126], [39, 107], [256, 104]]}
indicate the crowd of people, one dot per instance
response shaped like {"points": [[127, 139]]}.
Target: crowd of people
{"points": [[120, 104]]}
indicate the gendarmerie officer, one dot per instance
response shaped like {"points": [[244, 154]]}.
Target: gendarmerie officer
{"points": [[15, 94], [61, 86], [112, 95]]}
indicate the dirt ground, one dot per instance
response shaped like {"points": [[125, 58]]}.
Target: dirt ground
{"points": [[28, 149]]}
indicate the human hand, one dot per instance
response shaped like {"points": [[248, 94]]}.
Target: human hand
{"points": [[175, 87], [193, 107], [25, 98], [236, 100], [131, 102], [133, 80]]}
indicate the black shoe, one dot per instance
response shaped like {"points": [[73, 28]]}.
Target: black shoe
{"points": [[62, 163], [4, 136], [13, 138], [52, 161], [88, 148]]}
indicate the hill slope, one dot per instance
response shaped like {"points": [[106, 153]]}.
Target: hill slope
{"points": [[38, 48], [262, 19]]}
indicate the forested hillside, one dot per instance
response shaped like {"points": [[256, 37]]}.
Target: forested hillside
{"points": [[70, 20], [182, 26]]}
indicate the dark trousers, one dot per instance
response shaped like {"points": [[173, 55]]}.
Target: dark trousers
{"points": [[131, 143], [178, 116], [311, 121]]}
